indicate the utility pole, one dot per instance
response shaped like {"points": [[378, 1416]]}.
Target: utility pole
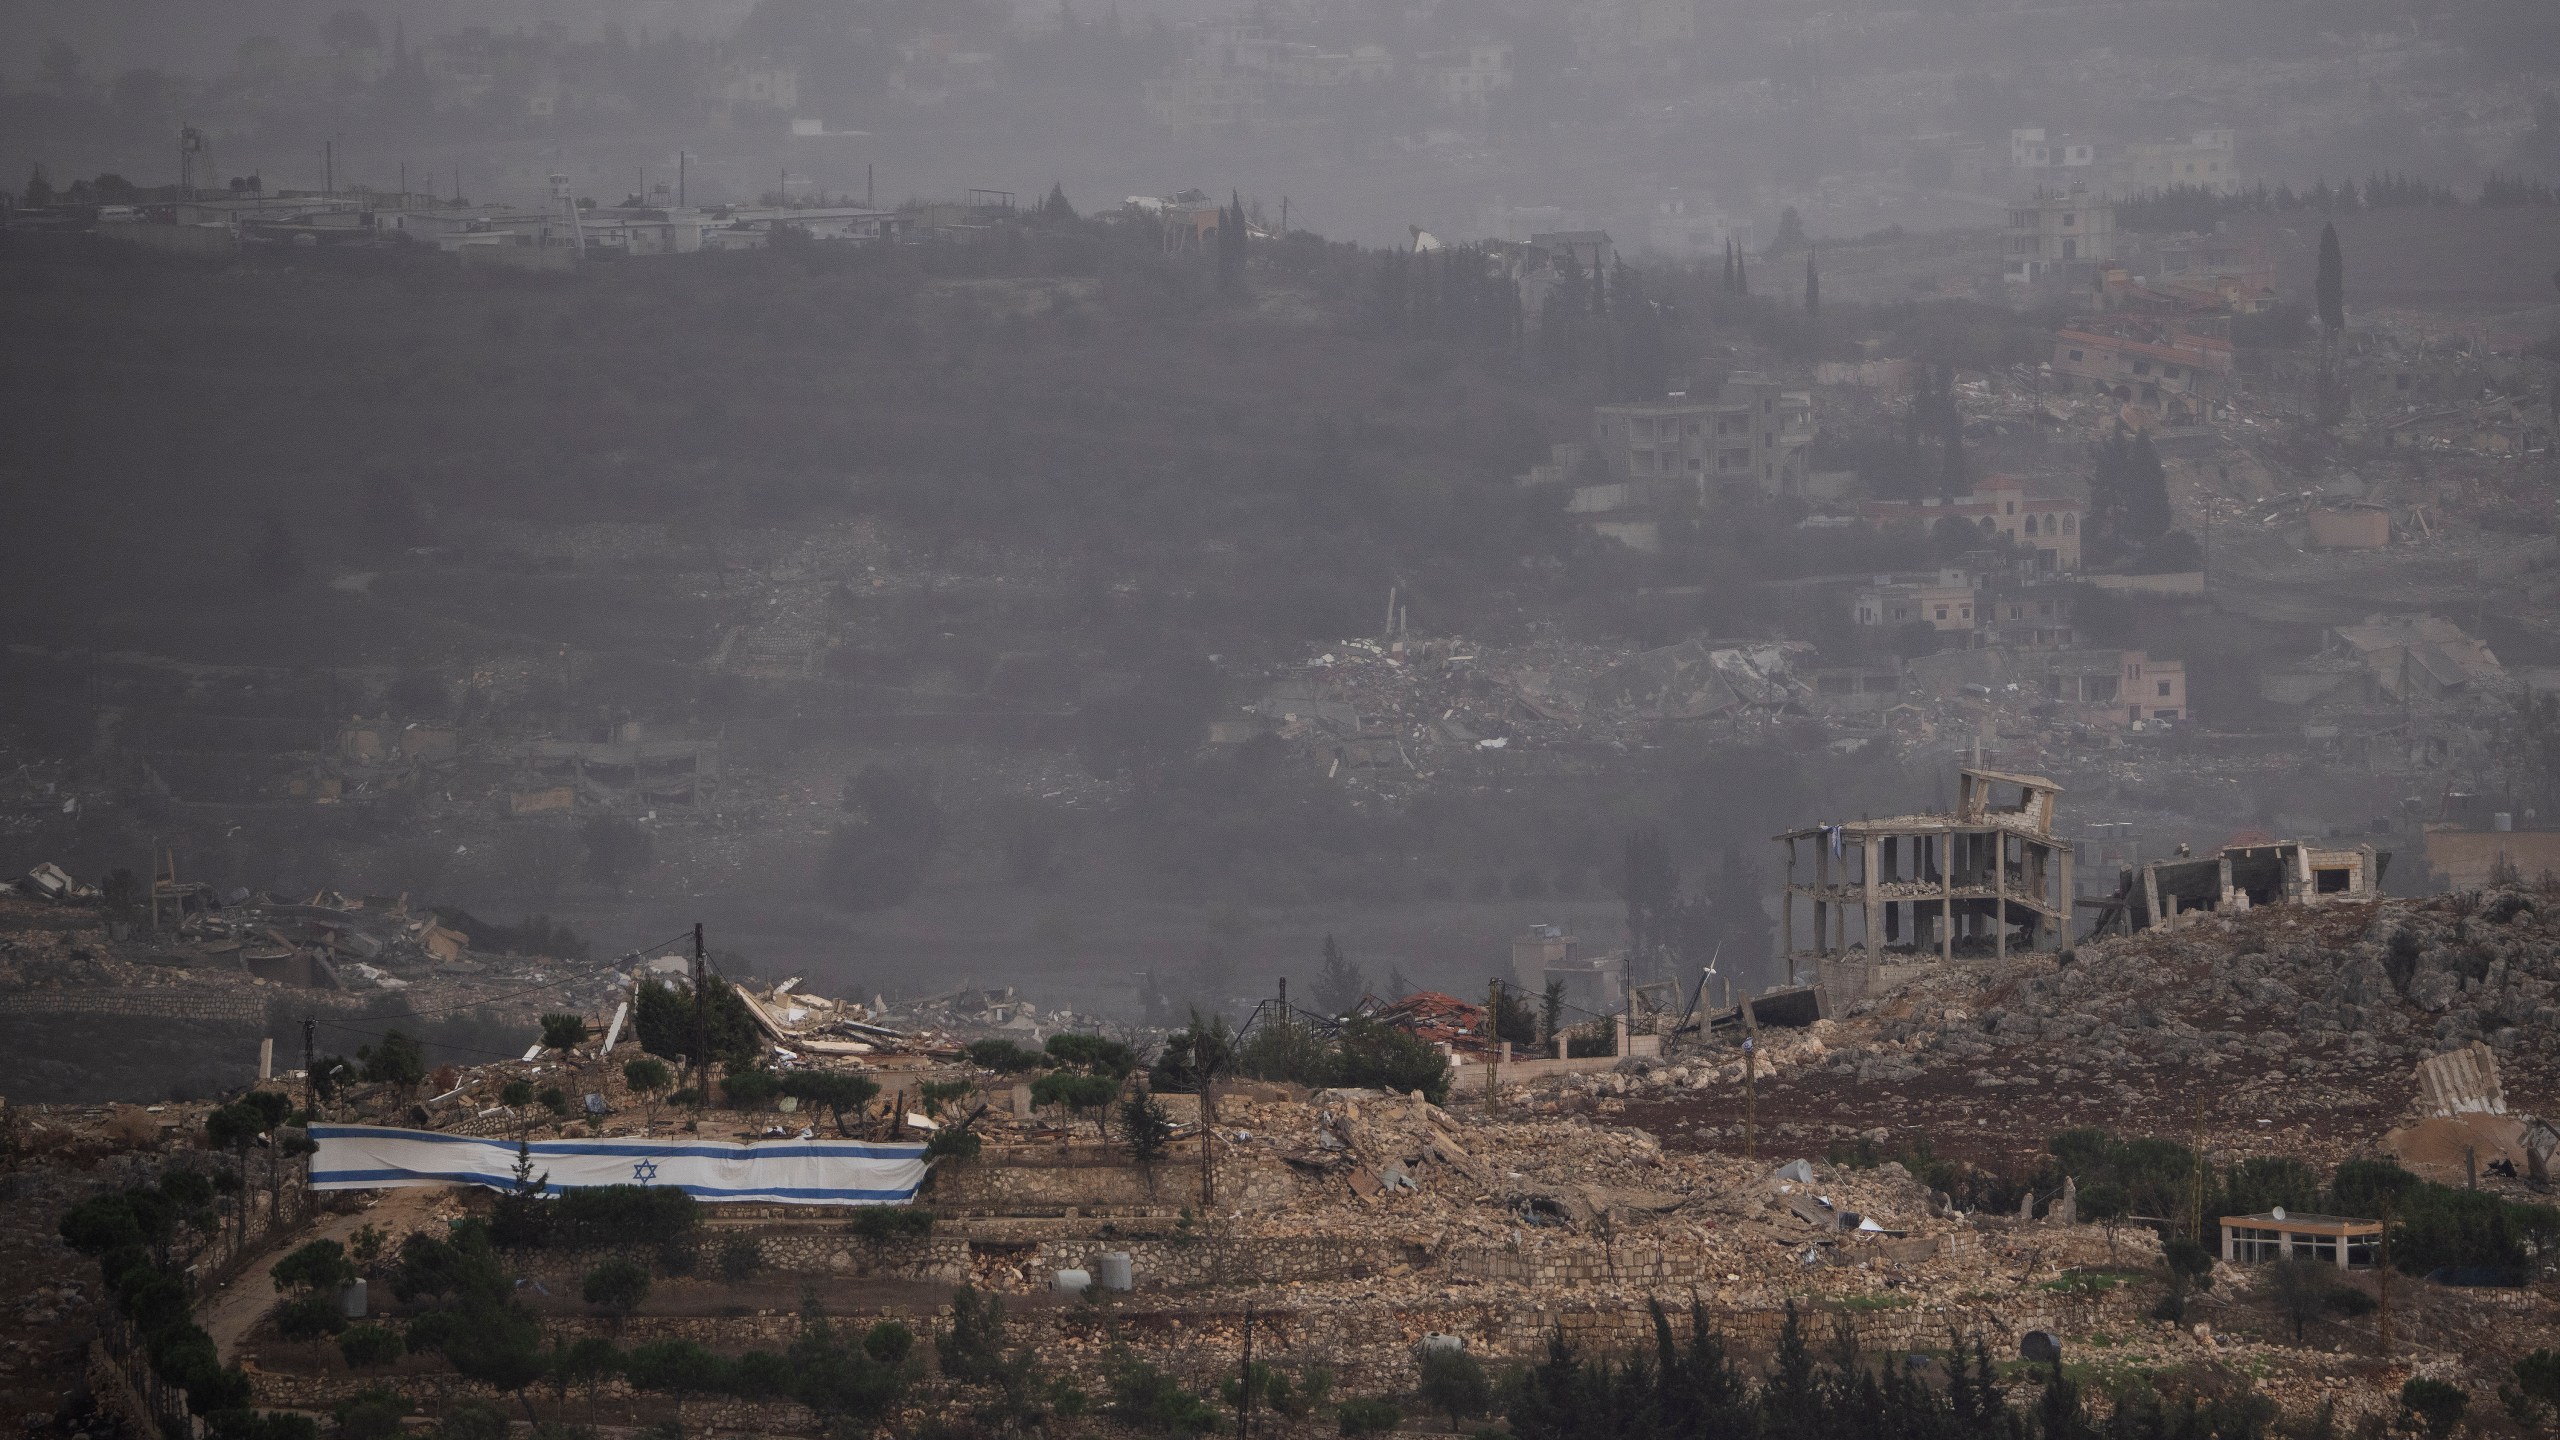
{"points": [[1244, 1385], [867, 202], [2386, 1275], [2195, 1226], [1493, 1040], [1750, 1081], [701, 1013], [680, 159], [310, 1075], [329, 167], [1284, 217]]}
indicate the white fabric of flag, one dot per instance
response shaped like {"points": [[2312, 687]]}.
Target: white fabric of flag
{"points": [[777, 1172]]}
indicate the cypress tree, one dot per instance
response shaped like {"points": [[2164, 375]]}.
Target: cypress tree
{"points": [[1812, 287], [1741, 273], [1728, 265], [2329, 291]]}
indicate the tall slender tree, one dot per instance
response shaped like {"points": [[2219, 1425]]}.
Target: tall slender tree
{"points": [[1812, 287], [2329, 290]]}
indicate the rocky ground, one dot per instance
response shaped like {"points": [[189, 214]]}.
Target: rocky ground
{"points": [[2282, 1031]]}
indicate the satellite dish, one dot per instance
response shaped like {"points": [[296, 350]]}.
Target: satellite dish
{"points": [[2276, 1214]]}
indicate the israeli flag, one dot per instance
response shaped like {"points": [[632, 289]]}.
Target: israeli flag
{"points": [[774, 1172]]}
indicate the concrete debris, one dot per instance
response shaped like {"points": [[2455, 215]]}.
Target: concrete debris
{"points": [[2462, 1082]]}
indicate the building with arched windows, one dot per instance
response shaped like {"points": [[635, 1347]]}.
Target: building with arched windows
{"points": [[2046, 526]]}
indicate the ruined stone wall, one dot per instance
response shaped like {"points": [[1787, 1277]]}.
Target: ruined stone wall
{"points": [[1033, 1182]]}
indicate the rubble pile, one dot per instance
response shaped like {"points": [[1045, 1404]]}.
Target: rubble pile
{"points": [[2297, 1028], [1395, 714]]}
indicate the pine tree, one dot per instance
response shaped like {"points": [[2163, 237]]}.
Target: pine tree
{"points": [[2146, 493], [2329, 291], [1231, 245], [1812, 287], [1741, 273], [1339, 985], [1728, 266]]}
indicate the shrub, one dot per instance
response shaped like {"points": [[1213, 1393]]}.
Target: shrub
{"points": [[2534, 1399], [2436, 1404], [617, 1287], [836, 1091], [318, 1268], [1141, 1394], [371, 1414], [662, 1016], [1004, 1057], [368, 1346], [891, 1222], [972, 1350], [472, 1420], [1093, 1052], [740, 1258], [563, 1032], [1454, 1383], [309, 1317], [2189, 1260], [516, 1094], [1367, 1416], [889, 1342], [610, 1216], [554, 1099], [750, 1087], [1376, 1055], [678, 1367]]}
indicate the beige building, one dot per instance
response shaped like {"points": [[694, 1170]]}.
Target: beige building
{"points": [[2002, 506], [2111, 688], [1943, 600], [1755, 431], [2056, 231], [2205, 159]]}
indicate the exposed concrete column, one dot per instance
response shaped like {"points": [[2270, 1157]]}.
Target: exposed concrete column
{"points": [[1874, 915], [1787, 913], [2070, 902], [1822, 890], [2151, 892], [2000, 894]]}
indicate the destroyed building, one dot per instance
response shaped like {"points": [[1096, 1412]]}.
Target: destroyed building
{"points": [[2245, 874], [1930, 882]]}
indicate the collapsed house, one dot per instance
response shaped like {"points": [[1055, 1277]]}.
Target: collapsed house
{"points": [[1934, 881], [2242, 875]]}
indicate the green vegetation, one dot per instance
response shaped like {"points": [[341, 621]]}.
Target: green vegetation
{"points": [[1004, 1057], [617, 1287], [1453, 1382], [891, 1222], [369, 1347], [662, 1016], [740, 1258], [1146, 1128], [129, 1234], [649, 1079], [1147, 1397], [2437, 1405], [1688, 1388], [833, 1091], [1367, 1415], [2534, 1399], [1093, 1053], [563, 1032]]}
